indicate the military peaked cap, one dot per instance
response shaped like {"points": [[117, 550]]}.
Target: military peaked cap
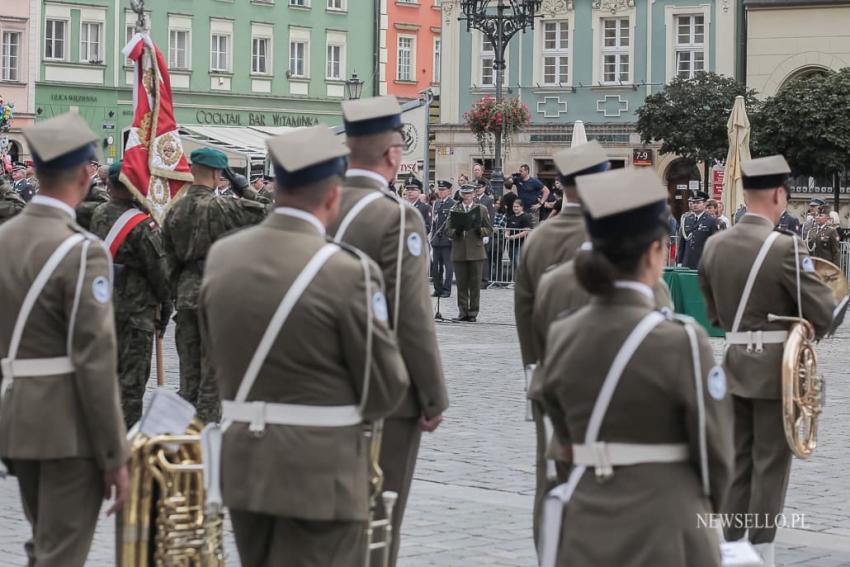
{"points": [[307, 156], [622, 202], [61, 143], [764, 173], [368, 116]]}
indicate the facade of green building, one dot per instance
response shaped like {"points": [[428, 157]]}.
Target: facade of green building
{"points": [[238, 63]]}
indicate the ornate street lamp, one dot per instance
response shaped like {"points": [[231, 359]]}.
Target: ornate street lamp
{"points": [[353, 87], [499, 21]]}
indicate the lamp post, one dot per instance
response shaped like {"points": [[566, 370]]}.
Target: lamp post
{"points": [[499, 21], [353, 87]]}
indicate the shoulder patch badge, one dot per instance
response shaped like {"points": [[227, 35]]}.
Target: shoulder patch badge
{"points": [[717, 383], [808, 265], [414, 244], [379, 307], [100, 289]]}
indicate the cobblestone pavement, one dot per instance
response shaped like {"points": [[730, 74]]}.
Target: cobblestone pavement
{"points": [[471, 499]]}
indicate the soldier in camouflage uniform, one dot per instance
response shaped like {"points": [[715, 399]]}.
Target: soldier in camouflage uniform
{"points": [[191, 226], [10, 202], [96, 196], [141, 284]]}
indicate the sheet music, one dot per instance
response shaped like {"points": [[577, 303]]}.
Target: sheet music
{"points": [[167, 413]]}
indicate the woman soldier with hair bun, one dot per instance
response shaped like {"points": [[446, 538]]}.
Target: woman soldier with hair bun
{"points": [[635, 399]]}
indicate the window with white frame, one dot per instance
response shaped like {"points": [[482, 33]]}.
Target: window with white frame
{"points": [[298, 58], [55, 35], [334, 67], [301, 3], [615, 50], [404, 66], [336, 4], [260, 55], [220, 52], [178, 49], [689, 45], [129, 32], [486, 58], [556, 61], [91, 42], [10, 56], [438, 49]]}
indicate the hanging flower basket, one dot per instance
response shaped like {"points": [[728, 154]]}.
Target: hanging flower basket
{"points": [[488, 119]]}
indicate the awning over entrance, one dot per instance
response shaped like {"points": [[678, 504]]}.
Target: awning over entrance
{"points": [[245, 146]]}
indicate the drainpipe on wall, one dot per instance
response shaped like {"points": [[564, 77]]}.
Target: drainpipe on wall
{"points": [[376, 44], [742, 40]]}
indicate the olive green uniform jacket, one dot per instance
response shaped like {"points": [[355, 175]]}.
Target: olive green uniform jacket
{"points": [[96, 196], [375, 231], [318, 359], [468, 246], [554, 241], [646, 514], [74, 415], [723, 274], [826, 242]]}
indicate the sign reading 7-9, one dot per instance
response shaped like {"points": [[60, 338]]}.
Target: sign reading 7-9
{"points": [[641, 157]]}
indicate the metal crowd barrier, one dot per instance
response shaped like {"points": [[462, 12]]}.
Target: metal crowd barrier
{"points": [[503, 252], [844, 259]]}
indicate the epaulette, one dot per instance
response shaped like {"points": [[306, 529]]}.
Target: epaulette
{"points": [[356, 252], [786, 231], [677, 317]]}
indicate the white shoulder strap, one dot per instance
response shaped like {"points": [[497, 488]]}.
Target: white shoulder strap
{"points": [[122, 221], [751, 279], [703, 441], [555, 500], [353, 212], [36, 288], [293, 294]]}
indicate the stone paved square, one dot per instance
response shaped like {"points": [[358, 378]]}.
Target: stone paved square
{"points": [[471, 500]]}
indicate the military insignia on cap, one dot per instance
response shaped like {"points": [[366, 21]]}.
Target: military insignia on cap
{"points": [[379, 307], [414, 244], [808, 265], [100, 289], [717, 383]]}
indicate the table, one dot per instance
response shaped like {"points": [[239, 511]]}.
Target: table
{"points": [[687, 297]]}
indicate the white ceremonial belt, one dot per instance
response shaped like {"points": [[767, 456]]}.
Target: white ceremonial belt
{"points": [[258, 414], [605, 456], [29, 367], [755, 340]]}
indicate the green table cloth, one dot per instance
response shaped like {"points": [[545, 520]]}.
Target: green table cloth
{"points": [[687, 297]]}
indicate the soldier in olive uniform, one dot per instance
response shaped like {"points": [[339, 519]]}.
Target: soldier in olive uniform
{"points": [[10, 202], [96, 196], [191, 226], [634, 396], [775, 269], [61, 430], [811, 213], [554, 241], [141, 285], [468, 254], [297, 481], [823, 239], [442, 272], [393, 235], [412, 193], [703, 226]]}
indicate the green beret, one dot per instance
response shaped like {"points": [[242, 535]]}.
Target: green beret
{"points": [[114, 171], [209, 157]]}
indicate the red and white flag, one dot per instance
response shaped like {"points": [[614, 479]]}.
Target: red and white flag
{"points": [[155, 167]]}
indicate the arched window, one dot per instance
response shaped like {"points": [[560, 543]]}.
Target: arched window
{"points": [[803, 73]]}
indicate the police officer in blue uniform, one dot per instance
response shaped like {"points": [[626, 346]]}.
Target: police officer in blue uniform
{"points": [[704, 225], [441, 267], [686, 230]]}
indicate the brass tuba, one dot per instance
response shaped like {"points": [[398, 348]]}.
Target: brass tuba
{"points": [[378, 500], [803, 389], [164, 521]]}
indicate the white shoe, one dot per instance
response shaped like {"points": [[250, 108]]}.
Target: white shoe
{"points": [[767, 552]]}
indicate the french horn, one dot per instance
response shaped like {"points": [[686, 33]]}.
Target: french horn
{"points": [[803, 389]]}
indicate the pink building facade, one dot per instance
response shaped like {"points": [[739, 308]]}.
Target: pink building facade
{"points": [[18, 68]]}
